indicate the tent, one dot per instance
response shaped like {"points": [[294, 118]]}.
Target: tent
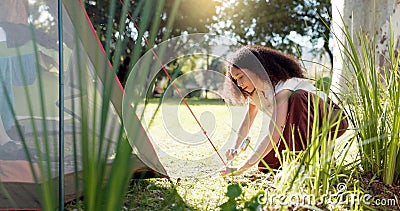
{"points": [[30, 100]]}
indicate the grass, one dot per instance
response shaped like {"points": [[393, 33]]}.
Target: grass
{"points": [[210, 191], [189, 194], [183, 148]]}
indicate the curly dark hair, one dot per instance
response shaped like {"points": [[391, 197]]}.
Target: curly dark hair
{"points": [[260, 59]]}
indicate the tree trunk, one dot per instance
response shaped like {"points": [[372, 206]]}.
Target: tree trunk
{"points": [[372, 16]]}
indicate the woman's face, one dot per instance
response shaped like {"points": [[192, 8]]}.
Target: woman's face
{"points": [[242, 79]]}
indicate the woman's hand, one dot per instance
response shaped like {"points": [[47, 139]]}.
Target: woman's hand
{"points": [[231, 171], [230, 154], [228, 171]]}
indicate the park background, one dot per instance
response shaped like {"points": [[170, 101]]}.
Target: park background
{"points": [[348, 48]]}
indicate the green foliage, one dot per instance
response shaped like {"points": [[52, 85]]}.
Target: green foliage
{"points": [[167, 19], [277, 20], [271, 22], [105, 174], [255, 202], [324, 83], [236, 200], [234, 191], [374, 101], [314, 172]]}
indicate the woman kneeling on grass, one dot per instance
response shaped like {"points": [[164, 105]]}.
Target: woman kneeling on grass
{"points": [[252, 70]]}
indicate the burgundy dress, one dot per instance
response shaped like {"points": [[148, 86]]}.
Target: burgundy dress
{"points": [[299, 121]]}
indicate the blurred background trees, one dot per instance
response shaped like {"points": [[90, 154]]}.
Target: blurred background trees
{"points": [[283, 24], [277, 23]]}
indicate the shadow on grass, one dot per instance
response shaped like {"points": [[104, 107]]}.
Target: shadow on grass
{"points": [[146, 194], [154, 194]]}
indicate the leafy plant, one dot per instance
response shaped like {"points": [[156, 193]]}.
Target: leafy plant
{"points": [[237, 201]]}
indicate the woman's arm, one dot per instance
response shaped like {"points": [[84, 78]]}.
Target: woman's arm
{"points": [[246, 124], [243, 129], [275, 131]]}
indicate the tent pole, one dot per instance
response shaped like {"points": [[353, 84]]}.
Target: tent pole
{"points": [[61, 110]]}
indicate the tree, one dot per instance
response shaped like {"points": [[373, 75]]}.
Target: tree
{"points": [[184, 15], [270, 22], [352, 14], [367, 79], [167, 19]]}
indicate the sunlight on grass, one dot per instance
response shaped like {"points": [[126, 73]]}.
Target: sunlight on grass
{"points": [[182, 146], [208, 193], [192, 194]]}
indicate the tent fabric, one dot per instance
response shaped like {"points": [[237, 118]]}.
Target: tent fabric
{"points": [[29, 101], [25, 175]]}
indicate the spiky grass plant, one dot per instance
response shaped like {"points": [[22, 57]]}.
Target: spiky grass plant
{"points": [[105, 190], [105, 165], [374, 104], [311, 175]]}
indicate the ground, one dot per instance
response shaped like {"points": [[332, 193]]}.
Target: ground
{"points": [[210, 190]]}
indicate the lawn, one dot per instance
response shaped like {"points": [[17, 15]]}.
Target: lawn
{"points": [[180, 143], [195, 183], [192, 163], [190, 194]]}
